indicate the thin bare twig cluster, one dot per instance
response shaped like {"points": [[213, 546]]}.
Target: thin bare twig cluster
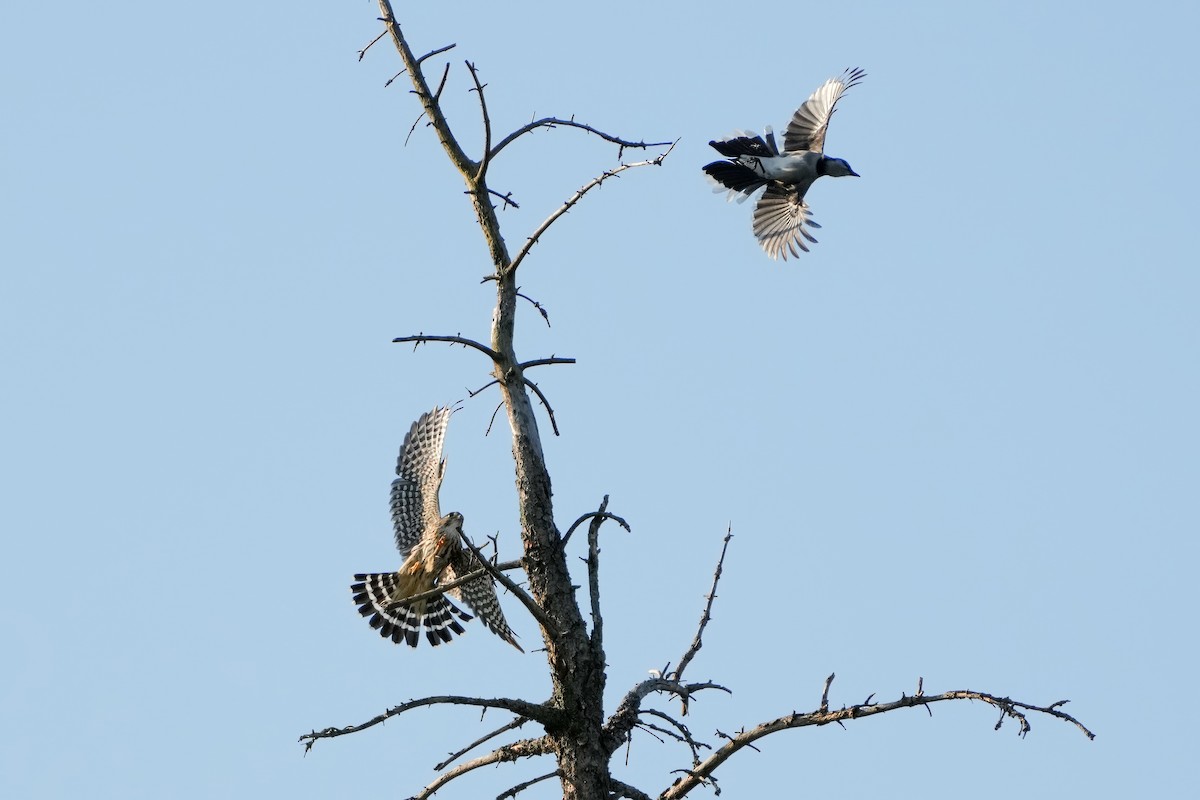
{"points": [[574, 728]]}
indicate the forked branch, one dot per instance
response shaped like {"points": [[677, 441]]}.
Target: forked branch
{"points": [[526, 748], [422, 338], [555, 122], [546, 715], [823, 716], [579, 194]]}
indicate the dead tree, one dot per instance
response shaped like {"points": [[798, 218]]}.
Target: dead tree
{"points": [[571, 725]]}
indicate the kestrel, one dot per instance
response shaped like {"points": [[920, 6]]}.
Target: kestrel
{"points": [[433, 552]]}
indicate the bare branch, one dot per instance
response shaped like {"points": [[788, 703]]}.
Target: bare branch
{"points": [[421, 88], [620, 789], [363, 52], [538, 306], [511, 726], [421, 338], [1007, 707], [487, 125], [541, 362], [546, 715], [520, 787], [617, 728], [492, 382], [545, 403], [698, 641], [683, 735], [433, 53], [575, 198], [505, 198], [825, 692], [593, 567], [554, 122], [436, 96], [602, 515], [526, 748]]}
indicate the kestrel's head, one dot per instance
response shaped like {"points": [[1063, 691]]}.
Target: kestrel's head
{"points": [[450, 530], [445, 543]]}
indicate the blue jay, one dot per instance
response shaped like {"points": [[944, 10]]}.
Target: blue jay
{"points": [[781, 217]]}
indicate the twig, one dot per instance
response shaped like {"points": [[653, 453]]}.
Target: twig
{"points": [[617, 728], [436, 95], [511, 726], [487, 125], [505, 198], [492, 382], [683, 735], [541, 362], [526, 748], [520, 787], [575, 198], [591, 514], [825, 692], [545, 402], [363, 52], [538, 306], [522, 595], [621, 789], [554, 122], [544, 714], [593, 567], [442, 588], [705, 618], [421, 338], [433, 53]]}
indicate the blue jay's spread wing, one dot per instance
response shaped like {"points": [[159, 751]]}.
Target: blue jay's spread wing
{"points": [[420, 467], [781, 222], [807, 129]]}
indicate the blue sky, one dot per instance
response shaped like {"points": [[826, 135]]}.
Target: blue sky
{"points": [[957, 440]]}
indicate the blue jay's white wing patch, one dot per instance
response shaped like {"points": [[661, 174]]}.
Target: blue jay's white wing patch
{"points": [[807, 129], [781, 222]]}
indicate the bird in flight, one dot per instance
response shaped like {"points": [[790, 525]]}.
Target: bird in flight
{"points": [[782, 218], [433, 552]]}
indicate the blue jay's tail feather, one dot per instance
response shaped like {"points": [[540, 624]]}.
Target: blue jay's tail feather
{"points": [[737, 178], [745, 145], [400, 621]]}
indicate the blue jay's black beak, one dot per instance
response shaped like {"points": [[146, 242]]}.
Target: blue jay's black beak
{"points": [[855, 174]]}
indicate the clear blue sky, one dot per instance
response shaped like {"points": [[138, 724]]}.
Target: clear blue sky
{"points": [[957, 440]]}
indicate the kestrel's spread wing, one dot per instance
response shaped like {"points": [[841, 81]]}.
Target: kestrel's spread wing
{"points": [[420, 468], [807, 129], [433, 552], [479, 594]]}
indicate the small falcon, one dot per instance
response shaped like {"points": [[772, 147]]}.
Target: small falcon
{"points": [[433, 552], [782, 219]]}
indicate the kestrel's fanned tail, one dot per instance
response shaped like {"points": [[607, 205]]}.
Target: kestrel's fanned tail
{"points": [[400, 621]]}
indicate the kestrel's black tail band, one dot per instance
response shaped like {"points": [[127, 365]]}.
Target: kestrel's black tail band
{"points": [[401, 621]]}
